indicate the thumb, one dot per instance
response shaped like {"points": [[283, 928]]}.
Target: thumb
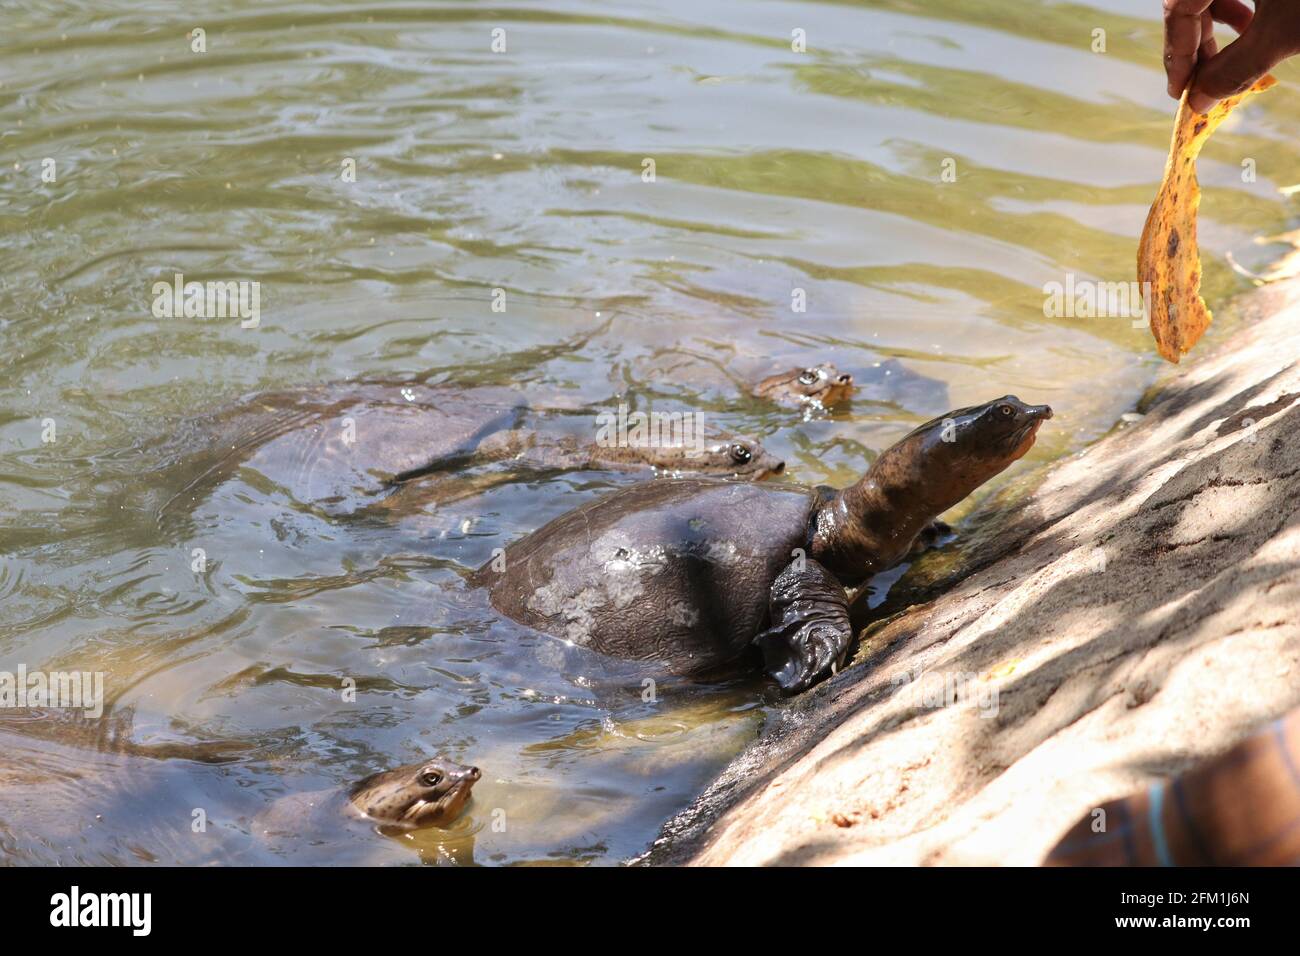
{"points": [[1233, 69]]}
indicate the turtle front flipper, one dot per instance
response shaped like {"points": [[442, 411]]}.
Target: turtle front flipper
{"points": [[809, 628]]}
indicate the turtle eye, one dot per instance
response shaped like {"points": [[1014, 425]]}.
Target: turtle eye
{"points": [[1006, 411], [430, 778], [740, 454], [808, 376]]}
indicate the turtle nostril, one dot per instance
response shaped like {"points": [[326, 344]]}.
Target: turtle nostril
{"points": [[846, 379], [474, 773], [779, 468]]}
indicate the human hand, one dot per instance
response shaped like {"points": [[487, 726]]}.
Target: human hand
{"points": [[1267, 36]]}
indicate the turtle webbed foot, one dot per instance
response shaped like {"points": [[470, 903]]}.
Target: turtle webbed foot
{"points": [[810, 626], [796, 661]]}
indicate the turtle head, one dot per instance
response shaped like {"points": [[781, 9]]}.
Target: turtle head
{"points": [[822, 385], [427, 794], [873, 524], [968, 446], [739, 457], [716, 453]]}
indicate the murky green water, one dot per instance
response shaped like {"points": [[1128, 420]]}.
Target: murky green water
{"points": [[521, 170]]}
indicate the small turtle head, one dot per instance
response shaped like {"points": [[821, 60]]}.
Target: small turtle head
{"points": [[967, 447], [822, 385], [427, 794], [716, 453], [740, 457]]}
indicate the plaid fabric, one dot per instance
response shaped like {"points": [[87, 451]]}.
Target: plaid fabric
{"points": [[1239, 809]]}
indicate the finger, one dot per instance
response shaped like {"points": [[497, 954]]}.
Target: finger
{"points": [[1186, 8], [1234, 68], [1232, 12], [1182, 37], [1209, 46]]}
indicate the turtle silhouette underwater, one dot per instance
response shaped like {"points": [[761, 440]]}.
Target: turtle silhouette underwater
{"points": [[690, 574], [90, 781], [823, 387], [344, 449]]}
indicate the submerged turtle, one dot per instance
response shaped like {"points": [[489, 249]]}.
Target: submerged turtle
{"points": [[431, 793], [819, 386], [888, 382], [344, 448], [88, 781], [689, 574], [111, 732], [686, 373]]}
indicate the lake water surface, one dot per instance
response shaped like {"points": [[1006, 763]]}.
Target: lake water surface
{"points": [[915, 178]]}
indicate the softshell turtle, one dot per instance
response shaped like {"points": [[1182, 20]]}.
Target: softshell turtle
{"points": [[100, 789], [344, 448], [689, 574], [111, 732], [430, 793], [687, 373], [889, 382], [819, 386]]}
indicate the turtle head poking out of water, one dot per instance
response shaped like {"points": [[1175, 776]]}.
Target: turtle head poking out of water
{"points": [[427, 794], [719, 455], [818, 385], [689, 574]]}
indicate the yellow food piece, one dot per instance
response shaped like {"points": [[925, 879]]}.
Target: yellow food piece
{"points": [[1167, 255]]}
